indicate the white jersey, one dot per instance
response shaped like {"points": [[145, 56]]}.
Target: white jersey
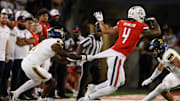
{"points": [[42, 51], [166, 60], [22, 51], [4, 37], [12, 44]]}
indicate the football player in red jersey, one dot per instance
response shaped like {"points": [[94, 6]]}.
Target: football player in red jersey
{"points": [[129, 34]]}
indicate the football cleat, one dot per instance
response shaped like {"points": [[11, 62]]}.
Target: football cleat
{"points": [[90, 89], [12, 96], [83, 99], [42, 99]]}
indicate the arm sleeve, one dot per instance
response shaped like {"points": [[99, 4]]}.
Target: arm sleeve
{"points": [[145, 26], [155, 74]]}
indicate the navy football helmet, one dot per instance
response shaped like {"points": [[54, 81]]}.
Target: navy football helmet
{"points": [[158, 44], [56, 32]]}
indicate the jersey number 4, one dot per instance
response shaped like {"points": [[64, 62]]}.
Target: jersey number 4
{"points": [[126, 33]]}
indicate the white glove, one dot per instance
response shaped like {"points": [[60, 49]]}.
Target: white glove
{"points": [[150, 18], [69, 59], [98, 16], [147, 82], [87, 57]]}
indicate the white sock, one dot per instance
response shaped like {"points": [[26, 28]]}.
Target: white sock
{"points": [[102, 92], [26, 86], [101, 85], [160, 88]]}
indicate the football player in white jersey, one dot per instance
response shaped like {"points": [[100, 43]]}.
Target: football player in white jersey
{"points": [[49, 48], [169, 59]]}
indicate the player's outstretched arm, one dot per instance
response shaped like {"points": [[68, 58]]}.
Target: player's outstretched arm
{"points": [[60, 51], [155, 74], [60, 59], [156, 31], [104, 29]]}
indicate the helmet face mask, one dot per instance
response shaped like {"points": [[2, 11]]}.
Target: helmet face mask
{"points": [[158, 46], [156, 52], [137, 13]]}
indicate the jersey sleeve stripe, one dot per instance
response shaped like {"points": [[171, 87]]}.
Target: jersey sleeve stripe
{"points": [[113, 70], [59, 45], [146, 28]]}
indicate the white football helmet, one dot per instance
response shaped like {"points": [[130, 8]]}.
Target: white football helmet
{"points": [[23, 13], [7, 11], [137, 13]]}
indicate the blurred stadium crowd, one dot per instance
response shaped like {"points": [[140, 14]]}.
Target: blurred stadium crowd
{"points": [[27, 25]]}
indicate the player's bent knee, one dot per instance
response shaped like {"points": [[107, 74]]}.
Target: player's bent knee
{"points": [[162, 87]]}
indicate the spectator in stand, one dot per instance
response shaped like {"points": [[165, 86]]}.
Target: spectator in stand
{"points": [[71, 44], [177, 44], [43, 20], [21, 4], [6, 4], [168, 36], [34, 30], [55, 18], [4, 41], [11, 48], [32, 26], [24, 40]]}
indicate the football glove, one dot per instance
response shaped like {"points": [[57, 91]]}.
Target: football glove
{"points": [[98, 16], [87, 57], [147, 82]]}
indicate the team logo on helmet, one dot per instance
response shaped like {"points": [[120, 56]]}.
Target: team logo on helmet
{"points": [[158, 44]]}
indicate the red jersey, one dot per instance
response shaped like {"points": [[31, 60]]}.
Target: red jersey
{"points": [[45, 27], [129, 35], [36, 37]]}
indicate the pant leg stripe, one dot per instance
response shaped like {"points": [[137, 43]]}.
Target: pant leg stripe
{"points": [[39, 73], [113, 70], [117, 75]]}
